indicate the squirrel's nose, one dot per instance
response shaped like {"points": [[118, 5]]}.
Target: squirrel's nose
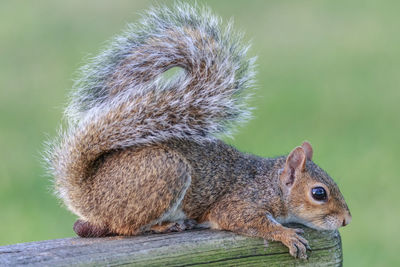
{"points": [[346, 220]]}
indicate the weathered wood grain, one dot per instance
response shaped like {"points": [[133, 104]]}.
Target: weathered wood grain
{"points": [[189, 248]]}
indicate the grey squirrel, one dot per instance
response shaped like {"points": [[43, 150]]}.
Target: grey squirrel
{"points": [[141, 154]]}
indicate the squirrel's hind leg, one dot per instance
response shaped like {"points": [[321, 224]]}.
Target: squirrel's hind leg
{"points": [[177, 226], [140, 188]]}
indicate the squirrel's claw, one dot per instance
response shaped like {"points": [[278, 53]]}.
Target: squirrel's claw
{"points": [[298, 250], [297, 244], [299, 231]]}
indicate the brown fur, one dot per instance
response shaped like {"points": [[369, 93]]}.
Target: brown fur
{"points": [[233, 191], [140, 155], [128, 190]]}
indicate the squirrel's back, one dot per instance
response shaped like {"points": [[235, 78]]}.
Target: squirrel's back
{"points": [[121, 101]]}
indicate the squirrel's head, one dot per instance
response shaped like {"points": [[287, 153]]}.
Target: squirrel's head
{"points": [[311, 196]]}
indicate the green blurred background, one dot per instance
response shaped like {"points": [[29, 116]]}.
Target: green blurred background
{"points": [[328, 72]]}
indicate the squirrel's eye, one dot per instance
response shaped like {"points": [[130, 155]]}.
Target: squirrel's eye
{"points": [[319, 193]]}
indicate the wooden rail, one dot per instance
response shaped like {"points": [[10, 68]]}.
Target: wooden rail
{"points": [[188, 248]]}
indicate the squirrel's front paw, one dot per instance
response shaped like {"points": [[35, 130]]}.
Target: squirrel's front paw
{"points": [[297, 244]]}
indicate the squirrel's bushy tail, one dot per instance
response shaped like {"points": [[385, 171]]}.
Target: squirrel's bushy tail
{"points": [[186, 36], [121, 101]]}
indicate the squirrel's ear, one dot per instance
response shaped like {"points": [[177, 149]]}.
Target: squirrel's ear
{"points": [[307, 149], [295, 162], [296, 159]]}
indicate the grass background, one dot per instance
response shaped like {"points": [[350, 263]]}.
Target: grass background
{"points": [[328, 73]]}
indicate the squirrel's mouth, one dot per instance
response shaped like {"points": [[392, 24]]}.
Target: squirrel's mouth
{"points": [[328, 222], [331, 222], [323, 223]]}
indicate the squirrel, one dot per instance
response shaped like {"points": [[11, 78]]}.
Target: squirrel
{"points": [[142, 154]]}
